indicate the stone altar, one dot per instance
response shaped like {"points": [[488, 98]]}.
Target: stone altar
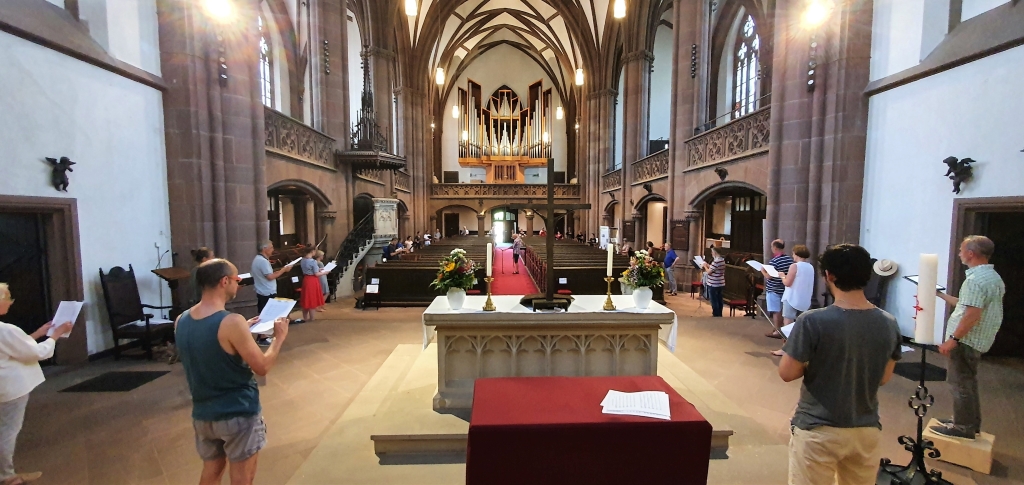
{"points": [[514, 341]]}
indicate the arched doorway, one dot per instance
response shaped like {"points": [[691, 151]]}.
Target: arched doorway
{"points": [[652, 224], [504, 223], [455, 217], [294, 205], [362, 206], [734, 215]]}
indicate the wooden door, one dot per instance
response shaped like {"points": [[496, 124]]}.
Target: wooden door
{"points": [[451, 224], [23, 266], [1006, 230]]}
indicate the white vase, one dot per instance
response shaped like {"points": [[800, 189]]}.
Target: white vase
{"points": [[457, 297], [642, 297]]}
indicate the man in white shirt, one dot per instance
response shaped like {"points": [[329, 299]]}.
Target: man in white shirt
{"points": [[19, 374]]}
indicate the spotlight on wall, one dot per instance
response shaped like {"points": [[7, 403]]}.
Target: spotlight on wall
{"points": [[812, 65], [455, 112], [410, 7], [579, 77], [577, 126], [439, 76], [220, 11], [559, 113], [693, 61], [817, 13], [619, 10]]}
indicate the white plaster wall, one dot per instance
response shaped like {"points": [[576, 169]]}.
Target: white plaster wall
{"points": [[973, 8], [896, 36], [127, 29], [970, 111], [502, 65], [661, 84], [112, 128]]}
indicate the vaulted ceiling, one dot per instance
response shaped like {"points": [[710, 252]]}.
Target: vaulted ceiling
{"points": [[559, 35]]}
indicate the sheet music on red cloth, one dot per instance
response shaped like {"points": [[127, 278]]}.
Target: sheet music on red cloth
{"points": [[648, 404]]}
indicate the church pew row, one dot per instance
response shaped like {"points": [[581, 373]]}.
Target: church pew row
{"points": [[409, 285]]}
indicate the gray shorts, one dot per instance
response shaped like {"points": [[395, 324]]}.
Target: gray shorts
{"points": [[789, 312], [237, 438]]}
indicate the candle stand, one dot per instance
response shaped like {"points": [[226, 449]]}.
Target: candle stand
{"points": [[489, 305], [608, 305]]}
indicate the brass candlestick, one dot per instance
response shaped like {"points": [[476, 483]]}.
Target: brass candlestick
{"points": [[608, 305], [489, 306]]}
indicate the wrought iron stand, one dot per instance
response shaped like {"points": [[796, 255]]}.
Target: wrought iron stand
{"points": [[915, 472]]}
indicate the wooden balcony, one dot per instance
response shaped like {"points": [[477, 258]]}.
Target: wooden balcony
{"points": [[502, 191]]}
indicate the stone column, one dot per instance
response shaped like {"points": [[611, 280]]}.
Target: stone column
{"points": [[695, 219], [414, 134], [639, 230], [600, 135], [332, 71], [635, 111], [433, 225], [686, 31], [529, 223], [213, 119], [481, 228]]}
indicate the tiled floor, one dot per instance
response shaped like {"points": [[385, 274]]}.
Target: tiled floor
{"points": [[145, 436]]}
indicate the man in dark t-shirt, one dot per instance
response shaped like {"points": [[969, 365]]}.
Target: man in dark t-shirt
{"points": [[844, 353]]}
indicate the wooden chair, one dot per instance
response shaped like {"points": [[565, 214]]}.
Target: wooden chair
{"points": [[124, 307]]}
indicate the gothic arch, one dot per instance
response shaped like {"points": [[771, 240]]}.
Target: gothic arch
{"points": [[710, 190], [318, 195], [648, 198]]}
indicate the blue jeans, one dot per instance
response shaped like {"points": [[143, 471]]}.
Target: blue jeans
{"points": [[715, 295]]}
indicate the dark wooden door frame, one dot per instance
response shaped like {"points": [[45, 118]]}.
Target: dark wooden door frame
{"points": [[64, 262], [964, 221]]}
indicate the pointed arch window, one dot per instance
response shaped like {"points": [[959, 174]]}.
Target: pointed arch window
{"points": [[747, 75], [266, 76]]}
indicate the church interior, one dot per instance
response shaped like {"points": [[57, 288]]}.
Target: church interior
{"points": [[551, 141]]}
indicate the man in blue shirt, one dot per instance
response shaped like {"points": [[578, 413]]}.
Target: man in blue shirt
{"points": [[670, 262], [264, 278]]}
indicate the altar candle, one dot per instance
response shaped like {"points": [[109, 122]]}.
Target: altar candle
{"points": [[490, 254], [611, 251], [928, 274]]}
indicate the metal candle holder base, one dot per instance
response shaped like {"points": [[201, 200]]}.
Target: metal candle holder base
{"points": [[608, 305], [915, 472], [489, 305]]}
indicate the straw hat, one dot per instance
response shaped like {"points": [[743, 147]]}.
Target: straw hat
{"points": [[886, 267]]}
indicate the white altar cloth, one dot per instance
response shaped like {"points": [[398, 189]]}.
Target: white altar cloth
{"points": [[509, 304]]}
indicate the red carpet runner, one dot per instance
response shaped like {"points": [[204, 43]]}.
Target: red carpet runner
{"points": [[509, 283]]}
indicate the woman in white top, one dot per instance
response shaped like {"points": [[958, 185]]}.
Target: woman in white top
{"points": [[19, 374], [799, 282]]}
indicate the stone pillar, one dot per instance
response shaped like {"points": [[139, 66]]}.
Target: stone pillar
{"points": [[639, 230], [687, 24], [818, 139], [635, 111], [433, 225], [481, 227], [600, 135], [529, 223], [214, 124], [414, 134], [330, 56], [695, 219]]}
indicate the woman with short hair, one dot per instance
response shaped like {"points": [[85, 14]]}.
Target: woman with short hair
{"points": [[312, 296], [715, 276], [799, 281], [19, 374], [323, 279]]}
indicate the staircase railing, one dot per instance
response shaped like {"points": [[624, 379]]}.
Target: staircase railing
{"points": [[361, 235]]}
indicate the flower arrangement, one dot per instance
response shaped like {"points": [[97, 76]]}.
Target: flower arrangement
{"points": [[455, 271], [643, 271]]}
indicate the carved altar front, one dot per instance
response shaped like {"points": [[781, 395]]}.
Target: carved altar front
{"points": [[516, 342]]}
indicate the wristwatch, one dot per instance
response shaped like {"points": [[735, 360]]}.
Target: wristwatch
{"points": [[957, 340]]}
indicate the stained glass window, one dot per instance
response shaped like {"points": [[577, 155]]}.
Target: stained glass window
{"points": [[266, 79], [747, 61]]}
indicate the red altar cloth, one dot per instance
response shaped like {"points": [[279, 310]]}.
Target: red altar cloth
{"points": [[550, 430]]}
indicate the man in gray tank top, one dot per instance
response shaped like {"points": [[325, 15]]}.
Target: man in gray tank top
{"points": [[220, 357], [844, 353]]}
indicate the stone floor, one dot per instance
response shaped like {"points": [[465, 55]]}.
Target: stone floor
{"points": [[145, 436]]}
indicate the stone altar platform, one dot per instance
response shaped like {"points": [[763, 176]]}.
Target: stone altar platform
{"points": [[514, 341]]}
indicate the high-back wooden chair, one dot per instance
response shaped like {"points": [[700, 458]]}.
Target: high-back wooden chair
{"points": [[126, 310]]}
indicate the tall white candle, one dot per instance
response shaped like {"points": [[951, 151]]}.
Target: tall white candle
{"points": [[490, 254], [928, 274], [611, 251]]}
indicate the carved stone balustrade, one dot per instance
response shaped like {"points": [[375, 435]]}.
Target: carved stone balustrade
{"points": [[502, 191], [743, 137], [402, 181], [651, 167], [375, 175], [290, 138], [611, 180]]}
